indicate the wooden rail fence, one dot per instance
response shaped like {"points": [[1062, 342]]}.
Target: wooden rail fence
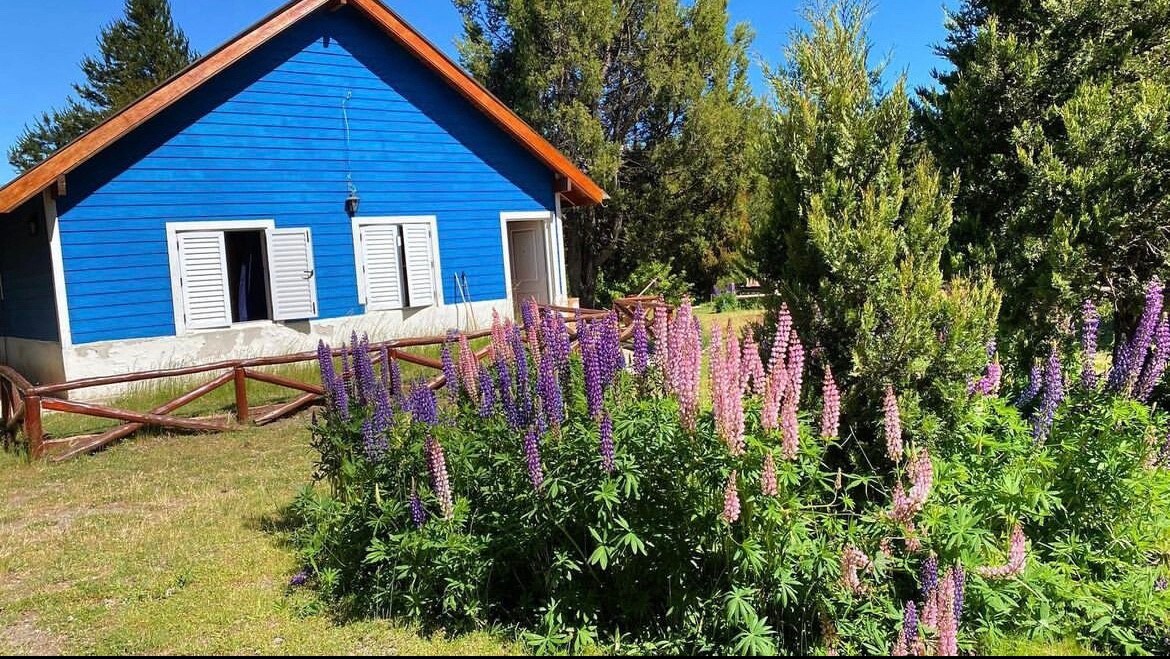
{"points": [[22, 404]]}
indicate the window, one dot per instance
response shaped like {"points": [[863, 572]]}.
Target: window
{"points": [[234, 272], [397, 261]]}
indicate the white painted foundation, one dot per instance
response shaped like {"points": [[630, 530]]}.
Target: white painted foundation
{"points": [[262, 339]]}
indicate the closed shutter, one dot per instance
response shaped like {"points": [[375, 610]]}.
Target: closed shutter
{"points": [[292, 278], [381, 271], [420, 266], [203, 279]]}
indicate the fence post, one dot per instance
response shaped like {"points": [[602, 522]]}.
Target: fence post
{"points": [[33, 431], [241, 381]]}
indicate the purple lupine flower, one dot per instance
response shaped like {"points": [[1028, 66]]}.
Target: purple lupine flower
{"points": [[594, 387], [507, 400], [1122, 360], [1090, 327], [1160, 584], [363, 370], [347, 371], [450, 374], [1156, 365], [418, 514], [422, 405], [328, 375], [607, 448], [384, 353], [487, 394], [374, 443], [609, 347], [910, 625], [960, 578], [299, 579], [341, 401], [929, 576], [395, 379], [641, 341], [523, 385], [1035, 381], [1147, 325], [532, 455], [549, 386], [1052, 398], [383, 411]]}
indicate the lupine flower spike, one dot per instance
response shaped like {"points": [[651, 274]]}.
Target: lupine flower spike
{"points": [[1090, 326], [607, 447], [731, 499], [1052, 397], [532, 456], [752, 374], [1017, 558], [948, 639], [440, 482], [893, 425], [853, 560], [768, 476], [831, 413]]}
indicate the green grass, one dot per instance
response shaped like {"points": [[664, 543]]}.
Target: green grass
{"points": [[1019, 647], [169, 545]]}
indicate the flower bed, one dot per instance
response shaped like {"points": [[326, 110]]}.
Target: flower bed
{"points": [[590, 499]]}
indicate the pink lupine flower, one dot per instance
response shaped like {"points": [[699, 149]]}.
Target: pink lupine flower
{"points": [[768, 476], [773, 396], [853, 560], [930, 609], [948, 632], [780, 342], [899, 649], [790, 442], [468, 368], [921, 475], [831, 414], [795, 363], [685, 364], [661, 339], [440, 482], [731, 499], [500, 348], [726, 394], [893, 423], [752, 367], [1017, 558]]}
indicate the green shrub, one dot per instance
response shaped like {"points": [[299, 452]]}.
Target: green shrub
{"points": [[652, 557], [724, 297], [649, 278]]}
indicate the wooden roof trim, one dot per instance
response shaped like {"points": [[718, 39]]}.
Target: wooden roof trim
{"points": [[582, 190], [134, 115]]}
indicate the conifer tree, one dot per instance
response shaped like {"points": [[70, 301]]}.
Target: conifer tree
{"points": [[136, 53]]}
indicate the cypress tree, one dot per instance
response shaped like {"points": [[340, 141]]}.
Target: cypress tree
{"points": [[136, 53]]}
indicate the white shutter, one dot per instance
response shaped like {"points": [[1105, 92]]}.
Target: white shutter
{"points": [[381, 271], [204, 280], [291, 276], [420, 270]]}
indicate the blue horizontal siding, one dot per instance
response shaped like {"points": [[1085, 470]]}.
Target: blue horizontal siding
{"points": [[267, 140], [28, 308]]}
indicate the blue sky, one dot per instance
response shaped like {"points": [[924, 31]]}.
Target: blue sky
{"points": [[44, 41]]}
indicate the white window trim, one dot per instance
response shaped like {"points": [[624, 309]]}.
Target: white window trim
{"points": [[554, 259], [397, 220], [173, 231]]}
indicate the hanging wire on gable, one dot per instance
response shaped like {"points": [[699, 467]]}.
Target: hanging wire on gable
{"points": [[351, 201]]}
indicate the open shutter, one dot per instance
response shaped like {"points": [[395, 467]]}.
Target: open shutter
{"points": [[381, 271], [420, 268], [204, 280], [292, 278]]}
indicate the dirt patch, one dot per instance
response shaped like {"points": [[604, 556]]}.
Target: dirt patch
{"points": [[25, 637]]}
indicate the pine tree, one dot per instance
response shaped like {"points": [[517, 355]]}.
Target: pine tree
{"points": [[1056, 116], [136, 54], [651, 99], [860, 220]]}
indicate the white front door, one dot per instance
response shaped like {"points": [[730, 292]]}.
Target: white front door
{"points": [[529, 262]]}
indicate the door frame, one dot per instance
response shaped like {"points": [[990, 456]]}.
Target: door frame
{"points": [[551, 260]]}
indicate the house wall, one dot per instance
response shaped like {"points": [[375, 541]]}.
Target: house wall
{"points": [[29, 340], [267, 139]]}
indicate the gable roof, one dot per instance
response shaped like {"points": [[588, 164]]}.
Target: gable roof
{"points": [[572, 183]]}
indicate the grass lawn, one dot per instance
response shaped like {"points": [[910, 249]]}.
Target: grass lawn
{"points": [[167, 545]]}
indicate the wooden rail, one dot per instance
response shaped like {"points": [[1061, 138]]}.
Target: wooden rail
{"points": [[22, 404]]}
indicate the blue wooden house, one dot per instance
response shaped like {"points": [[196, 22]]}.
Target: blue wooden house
{"points": [[328, 170]]}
